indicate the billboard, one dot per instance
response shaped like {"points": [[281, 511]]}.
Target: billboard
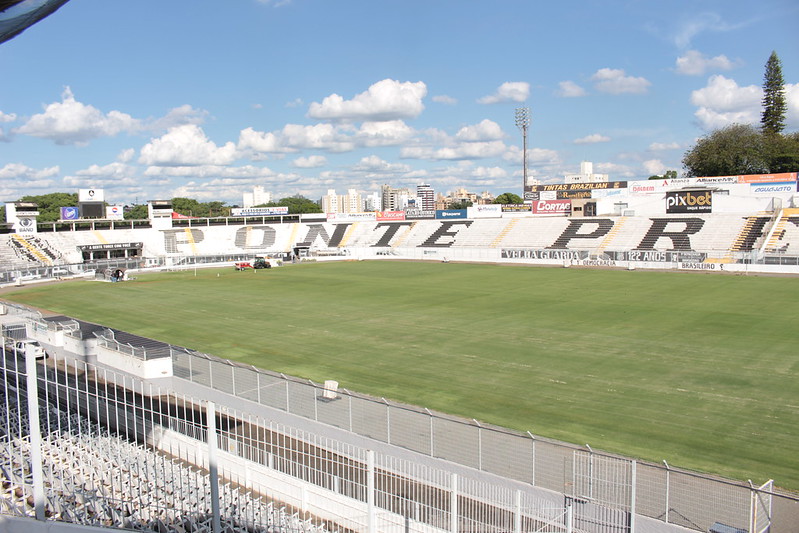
{"points": [[450, 213], [484, 211], [114, 212], [259, 211], [351, 217], [70, 213], [579, 186], [773, 188], [552, 207], [689, 202], [91, 195], [516, 208], [390, 215], [419, 214]]}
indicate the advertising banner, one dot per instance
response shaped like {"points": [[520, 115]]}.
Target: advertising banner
{"points": [[351, 217], [484, 211], [91, 195], [259, 211], [517, 208], [547, 195], [574, 195], [25, 225], [772, 188], [531, 196], [390, 215], [689, 202], [768, 178], [114, 212], [580, 186], [419, 214], [552, 207], [450, 213], [70, 213]]}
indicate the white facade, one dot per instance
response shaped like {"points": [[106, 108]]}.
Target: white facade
{"points": [[342, 203], [258, 196], [586, 175]]}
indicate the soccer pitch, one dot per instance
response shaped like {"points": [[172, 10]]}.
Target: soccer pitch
{"points": [[697, 369]]}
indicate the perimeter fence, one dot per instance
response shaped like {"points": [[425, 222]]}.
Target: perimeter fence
{"points": [[692, 500]]}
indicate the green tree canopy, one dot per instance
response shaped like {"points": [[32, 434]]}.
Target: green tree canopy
{"points": [[50, 204], [460, 204], [668, 175], [774, 105], [297, 205], [736, 149], [508, 198], [136, 212]]}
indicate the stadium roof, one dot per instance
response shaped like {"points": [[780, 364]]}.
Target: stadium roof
{"points": [[18, 15]]}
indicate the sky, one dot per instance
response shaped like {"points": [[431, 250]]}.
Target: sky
{"points": [[154, 99]]}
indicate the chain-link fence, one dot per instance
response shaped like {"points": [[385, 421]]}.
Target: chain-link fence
{"points": [[671, 495]]}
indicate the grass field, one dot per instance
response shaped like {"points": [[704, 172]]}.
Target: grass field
{"points": [[700, 370]]}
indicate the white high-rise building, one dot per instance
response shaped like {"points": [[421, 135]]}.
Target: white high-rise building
{"points": [[586, 175], [426, 196], [258, 196], [342, 203]]}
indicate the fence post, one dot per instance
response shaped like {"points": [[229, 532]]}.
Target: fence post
{"points": [[569, 516], [668, 481], [479, 445], [453, 503], [532, 440], [517, 512], [370, 491], [35, 436], [432, 438], [633, 492], [213, 474]]}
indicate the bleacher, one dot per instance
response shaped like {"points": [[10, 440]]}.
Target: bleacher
{"points": [[95, 478]]}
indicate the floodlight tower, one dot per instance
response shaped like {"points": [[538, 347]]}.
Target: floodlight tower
{"points": [[523, 123]]}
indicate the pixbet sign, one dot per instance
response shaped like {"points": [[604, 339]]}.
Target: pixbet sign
{"points": [[689, 202]]}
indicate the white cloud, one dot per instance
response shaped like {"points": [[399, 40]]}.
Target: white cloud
{"points": [[722, 102], [468, 150], [444, 99], [592, 139], [486, 130], [318, 137], [387, 133], [510, 91], [656, 147], [569, 89], [615, 81], [373, 163], [18, 171], [7, 117], [72, 122], [792, 100], [314, 161], [654, 167], [694, 63], [186, 145], [703, 22], [179, 116], [385, 100]]}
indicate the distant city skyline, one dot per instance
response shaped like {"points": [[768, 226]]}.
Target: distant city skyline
{"points": [[171, 99]]}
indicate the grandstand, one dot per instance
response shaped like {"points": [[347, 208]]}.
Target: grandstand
{"points": [[135, 434]]}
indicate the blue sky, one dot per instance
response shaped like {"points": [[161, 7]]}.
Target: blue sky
{"points": [[156, 99]]}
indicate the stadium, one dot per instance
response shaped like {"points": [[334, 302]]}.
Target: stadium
{"points": [[129, 431]]}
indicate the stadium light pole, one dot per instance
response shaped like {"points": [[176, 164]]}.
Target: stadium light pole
{"points": [[523, 123]]}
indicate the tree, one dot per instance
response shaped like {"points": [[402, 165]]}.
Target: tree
{"points": [[736, 149], [297, 205], [782, 152], [460, 204], [136, 212], [50, 204], [774, 106], [508, 198], [668, 175]]}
